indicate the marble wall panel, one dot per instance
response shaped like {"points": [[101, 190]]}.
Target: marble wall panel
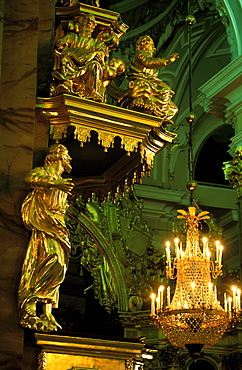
{"points": [[20, 36], [45, 47], [26, 23], [1, 32]]}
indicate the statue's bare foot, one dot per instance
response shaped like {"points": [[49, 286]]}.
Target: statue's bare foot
{"points": [[49, 321], [29, 319], [30, 322], [45, 323]]}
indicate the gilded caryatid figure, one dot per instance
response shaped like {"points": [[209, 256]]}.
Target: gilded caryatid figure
{"points": [[83, 60], [48, 252], [146, 92]]}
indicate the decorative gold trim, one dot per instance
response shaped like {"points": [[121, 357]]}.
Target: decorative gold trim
{"points": [[103, 16], [129, 364], [82, 134], [42, 360], [136, 130], [99, 348]]}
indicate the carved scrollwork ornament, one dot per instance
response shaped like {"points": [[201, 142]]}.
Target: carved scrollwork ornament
{"points": [[135, 303], [135, 363], [232, 171], [154, 363], [42, 360], [121, 225], [129, 364]]}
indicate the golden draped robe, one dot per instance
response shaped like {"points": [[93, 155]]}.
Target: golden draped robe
{"points": [[48, 252]]}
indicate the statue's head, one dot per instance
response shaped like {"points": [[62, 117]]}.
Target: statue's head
{"points": [[58, 152], [87, 22], [145, 43]]}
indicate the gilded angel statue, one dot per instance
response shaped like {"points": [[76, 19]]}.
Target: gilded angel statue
{"points": [[146, 92]]}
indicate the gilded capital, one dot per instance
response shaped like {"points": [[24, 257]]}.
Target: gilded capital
{"points": [[233, 171]]}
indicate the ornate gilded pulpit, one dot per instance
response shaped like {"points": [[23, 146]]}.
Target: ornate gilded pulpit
{"points": [[112, 147], [122, 143]]}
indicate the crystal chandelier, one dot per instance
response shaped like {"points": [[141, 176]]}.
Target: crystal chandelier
{"points": [[194, 318]]}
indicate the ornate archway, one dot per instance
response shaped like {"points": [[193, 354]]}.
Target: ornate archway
{"points": [[114, 245]]}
